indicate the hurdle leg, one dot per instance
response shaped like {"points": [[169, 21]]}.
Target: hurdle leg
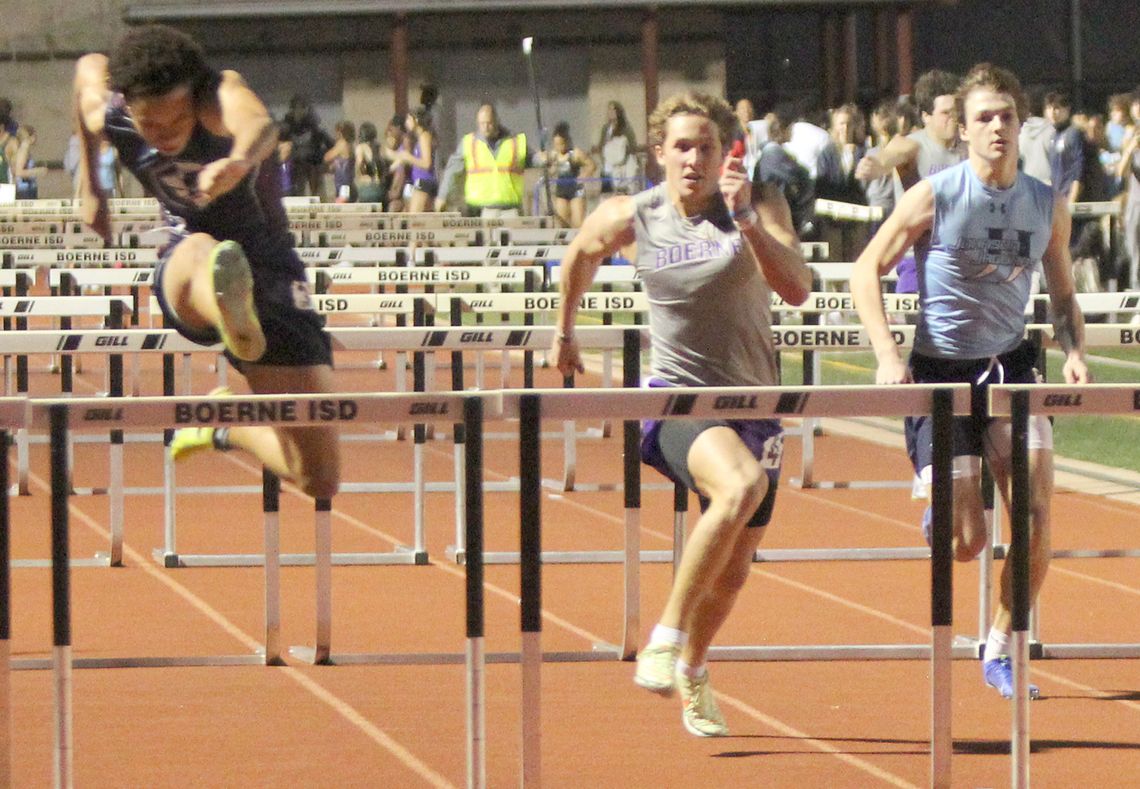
{"points": [[475, 649], [680, 507], [530, 586], [169, 555], [116, 497], [941, 592], [323, 565], [1019, 556], [5, 620], [631, 575], [22, 463], [418, 490], [271, 526], [460, 509], [61, 599]]}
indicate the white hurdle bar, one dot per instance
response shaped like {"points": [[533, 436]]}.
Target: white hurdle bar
{"points": [[424, 339]]}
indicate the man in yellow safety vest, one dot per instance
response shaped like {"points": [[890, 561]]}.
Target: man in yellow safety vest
{"points": [[493, 161]]}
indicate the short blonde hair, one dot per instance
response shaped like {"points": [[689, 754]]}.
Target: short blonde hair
{"points": [[705, 105]]}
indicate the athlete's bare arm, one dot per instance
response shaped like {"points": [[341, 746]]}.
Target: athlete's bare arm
{"points": [[240, 114], [911, 218], [901, 154], [1068, 321], [606, 230], [90, 107]]}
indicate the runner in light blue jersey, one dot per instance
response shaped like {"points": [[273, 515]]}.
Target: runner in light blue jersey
{"points": [[990, 226]]}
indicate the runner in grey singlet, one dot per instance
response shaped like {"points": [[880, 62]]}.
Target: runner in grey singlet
{"points": [[709, 306]]}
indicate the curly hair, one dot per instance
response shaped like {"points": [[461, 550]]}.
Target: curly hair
{"points": [[931, 85], [705, 105], [153, 60], [997, 79]]}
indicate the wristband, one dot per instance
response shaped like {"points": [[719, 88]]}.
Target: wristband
{"points": [[746, 217]]}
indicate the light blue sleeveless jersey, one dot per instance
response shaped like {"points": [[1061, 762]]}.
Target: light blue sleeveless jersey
{"points": [[974, 281]]}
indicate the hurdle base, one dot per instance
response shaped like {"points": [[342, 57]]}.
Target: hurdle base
{"points": [[600, 652], [401, 554], [960, 651], [459, 556], [190, 661], [854, 484], [98, 560]]}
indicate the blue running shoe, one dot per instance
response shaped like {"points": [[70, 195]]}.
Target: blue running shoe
{"points": [[999, 675], [927, 523]]}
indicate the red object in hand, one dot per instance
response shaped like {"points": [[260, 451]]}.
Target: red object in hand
{"points": [[736, 151]]}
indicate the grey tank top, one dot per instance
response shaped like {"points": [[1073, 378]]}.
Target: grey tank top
{"points": [[709, 305]]}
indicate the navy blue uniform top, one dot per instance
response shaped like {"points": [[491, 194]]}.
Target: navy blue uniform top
{"points": [[250, 214]]}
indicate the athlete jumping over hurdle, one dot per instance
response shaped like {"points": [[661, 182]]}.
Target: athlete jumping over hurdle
{"points": [[709, 260], [990, 226], [196, 139]]}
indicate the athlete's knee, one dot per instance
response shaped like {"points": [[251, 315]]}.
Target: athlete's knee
{"points": [[742, 491]]}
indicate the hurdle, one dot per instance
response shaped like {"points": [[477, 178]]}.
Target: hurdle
{"points": [[740, 402], [1018, 403]]}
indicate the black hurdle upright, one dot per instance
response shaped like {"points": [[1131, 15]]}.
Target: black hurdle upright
{"points": [[5, 619], [61, 594], [631, 472], [1019, 555], [476, 655], [530, 584], [941, 587]]}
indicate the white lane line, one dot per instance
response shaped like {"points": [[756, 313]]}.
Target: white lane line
{"points": [[338, 705]]}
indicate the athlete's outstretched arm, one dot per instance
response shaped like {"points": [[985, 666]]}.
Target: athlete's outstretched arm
{"points": [[606, 230], [911, 218], [1068, 320], [239, 114], [90, 108]]}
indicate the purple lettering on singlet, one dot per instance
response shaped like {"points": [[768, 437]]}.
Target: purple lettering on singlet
{"points": [[705, 249]]}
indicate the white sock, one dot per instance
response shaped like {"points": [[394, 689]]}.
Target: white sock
{"points": [[997, 644], [692, 672], [668, 635]]}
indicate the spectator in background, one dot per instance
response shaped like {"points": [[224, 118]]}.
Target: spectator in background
{"points": [[836, 177], [1128, 171], [1119, 121], [565, 165], [8, 146], [493, 160], [7, 122], [617, 147], [340, 159], [370, 178], [397, 174], [25, 172], [417, 154], [880, 191], [1036, 141], [776, 167], [753, 132], [1078, 176], [304, 144], [808, 143]]}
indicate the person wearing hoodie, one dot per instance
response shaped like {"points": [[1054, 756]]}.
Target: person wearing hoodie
{"points": [[1036, 141]]}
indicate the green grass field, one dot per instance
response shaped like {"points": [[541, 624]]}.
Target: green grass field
{"points": [[1112, 441]]}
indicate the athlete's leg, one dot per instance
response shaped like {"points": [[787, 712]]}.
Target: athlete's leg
{"points": [[208, 285], [577, 211], [714, 607], [1040, 529], [419, 202], [562, 210], [734, 482], [309, 456]]}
